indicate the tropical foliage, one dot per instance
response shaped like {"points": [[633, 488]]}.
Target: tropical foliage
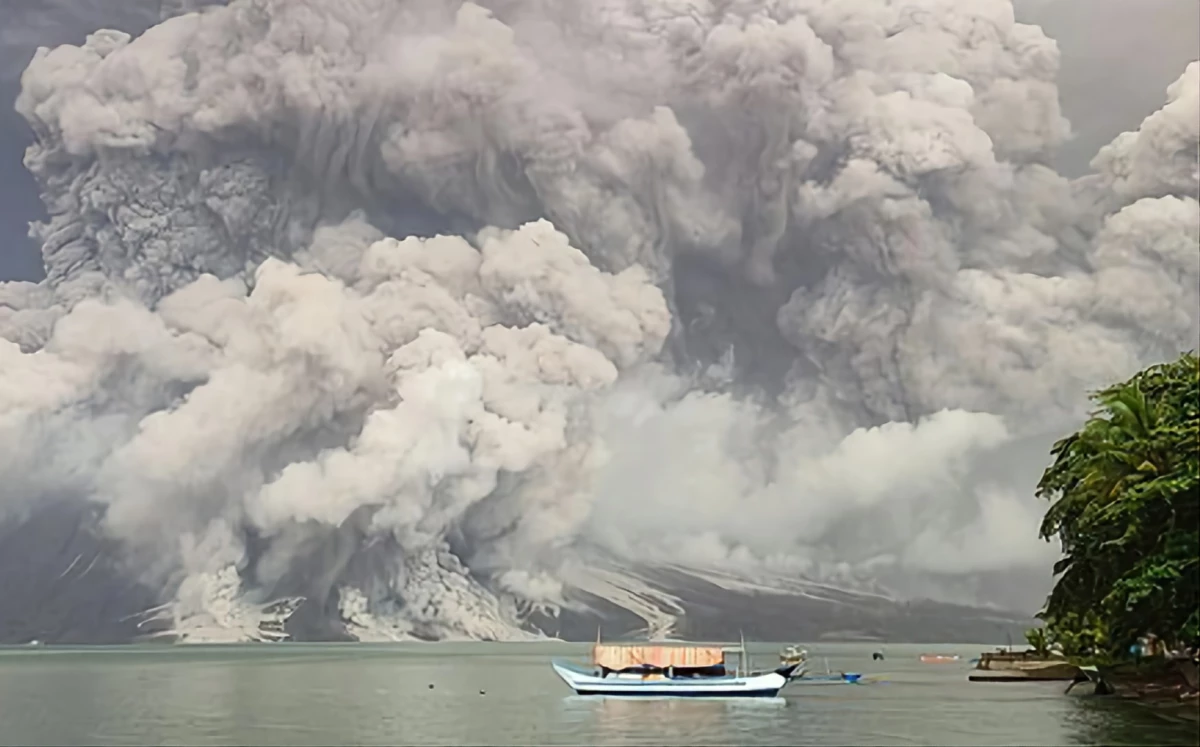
{"points": [[1125, 494], [1039, 641]]}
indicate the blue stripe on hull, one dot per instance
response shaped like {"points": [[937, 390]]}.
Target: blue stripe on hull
{"points": [[633, 693]]}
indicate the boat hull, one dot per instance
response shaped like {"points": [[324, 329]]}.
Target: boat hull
{"points": [[755, 686], [1021, 667]]}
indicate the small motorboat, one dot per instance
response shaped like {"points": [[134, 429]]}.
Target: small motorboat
{"points": [[670, 671], [829, 678], [939, 658], [836, 678], [793, 655]]}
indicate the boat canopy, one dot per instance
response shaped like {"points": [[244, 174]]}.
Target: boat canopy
{"points": [[681, 657]]}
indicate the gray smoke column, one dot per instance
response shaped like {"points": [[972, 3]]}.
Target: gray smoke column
{"points": [[410, 308]]}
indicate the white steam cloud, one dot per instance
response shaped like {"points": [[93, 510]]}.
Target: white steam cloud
{"points": [[763, 284]]}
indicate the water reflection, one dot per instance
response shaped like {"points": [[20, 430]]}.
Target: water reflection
{"points": [[593, 701], [624, 720], [1109, 721]]}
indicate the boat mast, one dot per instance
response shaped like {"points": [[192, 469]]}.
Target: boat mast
{"points": [[742, 658]]}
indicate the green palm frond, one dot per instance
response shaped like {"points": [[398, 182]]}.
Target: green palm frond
{"points": [[1124, 496]]}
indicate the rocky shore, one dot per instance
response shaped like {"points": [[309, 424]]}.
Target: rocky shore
{"points": [[1168, 685]]}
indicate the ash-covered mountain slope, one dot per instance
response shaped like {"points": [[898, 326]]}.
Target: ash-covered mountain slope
{"points": [[686, 604], [61, 582], [93, 600]]}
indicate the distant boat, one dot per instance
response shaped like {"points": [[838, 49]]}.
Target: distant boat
{"points": [[939, 658], [793, 655], [1022, 666], [681, 671], [836, 678], [829, 678]]}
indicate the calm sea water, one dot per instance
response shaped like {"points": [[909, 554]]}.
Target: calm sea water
{"points": [[506, 694]]}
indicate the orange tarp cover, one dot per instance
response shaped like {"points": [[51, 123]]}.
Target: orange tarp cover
{"points": [[622, 657]]}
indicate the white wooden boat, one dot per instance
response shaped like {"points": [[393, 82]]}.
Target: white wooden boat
{"points": [[670, 671], [584, 682]]}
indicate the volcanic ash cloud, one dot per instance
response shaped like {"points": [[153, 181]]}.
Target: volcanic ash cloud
{"points": [[756, 285]]}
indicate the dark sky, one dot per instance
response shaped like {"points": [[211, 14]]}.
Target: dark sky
{"points": [[24, 26], [1118, 58]]}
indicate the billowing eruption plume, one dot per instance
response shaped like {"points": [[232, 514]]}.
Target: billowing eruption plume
{"points": [[417, 309]]}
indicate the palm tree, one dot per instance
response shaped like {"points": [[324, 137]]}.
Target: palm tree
{"points": [[1125, 506]]}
